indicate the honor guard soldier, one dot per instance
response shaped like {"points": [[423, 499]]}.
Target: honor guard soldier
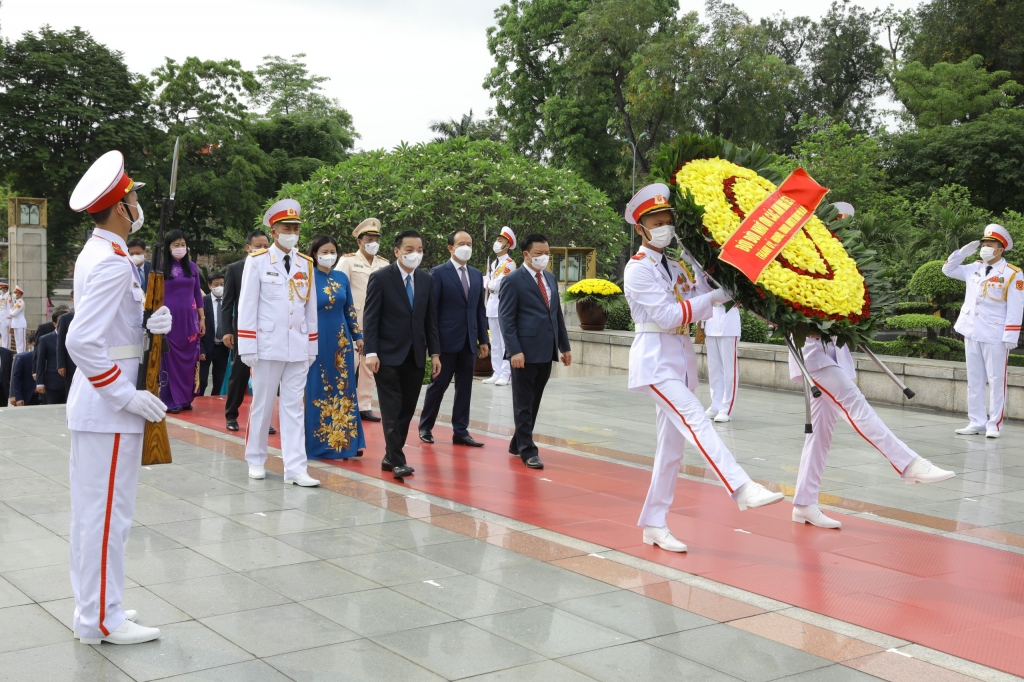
{"points": [[277, 339], [502, 266], [665, 296], [5, 323], [106, 413], [990, 323], [721, 343], [358, 267], [16, 316]]}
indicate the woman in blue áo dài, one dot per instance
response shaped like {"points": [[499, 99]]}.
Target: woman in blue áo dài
{"points": [[333, 427]]}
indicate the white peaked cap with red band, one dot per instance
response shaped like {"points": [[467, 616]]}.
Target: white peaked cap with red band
{"points": [[18, 290], [286, 211], [508, 234], [650, 199], [999, 233], [103, 185]]}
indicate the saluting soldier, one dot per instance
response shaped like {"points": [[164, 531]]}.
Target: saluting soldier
{"points": [[277, 339], [502, 266], [665, 296], [16, 315], [106, 413], [358, 267], [5, 324], [990, 323]]}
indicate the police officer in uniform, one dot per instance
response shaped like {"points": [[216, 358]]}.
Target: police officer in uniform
{"points": [[990, 323], [721, 342], [665, 296], [16, 316], [358, 267], [277, 339], [105, 412], [5, 324], [502, 266]]}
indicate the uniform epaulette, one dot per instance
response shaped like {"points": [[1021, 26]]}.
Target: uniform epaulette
{"points": [[347, 255], [117, 249], [258, 252], [1014, 267], [305, 256], [638, 256]]}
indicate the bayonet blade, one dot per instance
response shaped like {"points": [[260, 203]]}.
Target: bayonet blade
{"points": [[174, 171]]}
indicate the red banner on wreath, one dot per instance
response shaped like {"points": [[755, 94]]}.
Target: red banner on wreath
{"points": [[771, 225]]}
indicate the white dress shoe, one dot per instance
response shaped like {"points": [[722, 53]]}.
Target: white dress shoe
{"points": [[130, 614], [969, 431], [257, 472], [503, 382], [753, 494], [662, 537], [490, 380], [711, 412], [814, 516], [923, 471], [128, 633], [303, 479], [722, 417], [992, 433]]}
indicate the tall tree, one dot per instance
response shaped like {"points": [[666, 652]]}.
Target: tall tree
{"points": [[953, 30], [467, 126], [945, 93], [285, 85]]}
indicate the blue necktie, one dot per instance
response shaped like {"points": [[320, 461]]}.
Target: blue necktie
{"points": [[408, 291]]}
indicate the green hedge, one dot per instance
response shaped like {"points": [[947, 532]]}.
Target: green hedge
{"points": [[929, 282], [753, 329], [620, 320], [916, 321], [910, 307]]}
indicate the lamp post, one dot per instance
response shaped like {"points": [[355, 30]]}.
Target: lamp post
{"points": [[631, 144]]}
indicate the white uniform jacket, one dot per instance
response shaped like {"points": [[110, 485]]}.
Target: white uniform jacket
{"points": [[818, 355], [108, 323], [5, 307], [723, 323], [499, 269], [668, 301], [17, 313], [358, 271], [994, 303], [276, 309]]}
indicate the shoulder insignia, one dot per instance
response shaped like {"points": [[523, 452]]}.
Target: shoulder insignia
{"points": [[638, 256], [117, 249], [347, 255], [1013, 267], [302, 255], [258, 252]]}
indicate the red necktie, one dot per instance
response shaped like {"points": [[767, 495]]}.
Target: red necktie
{"points": [[543, 293]]}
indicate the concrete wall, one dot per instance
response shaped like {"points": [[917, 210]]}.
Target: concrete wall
{"points": [[27, 268]]}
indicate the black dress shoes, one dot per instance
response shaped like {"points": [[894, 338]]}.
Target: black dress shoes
{"points": [[176, 410], [467, 440], [368, 416], [401, 472], [534, 463], [426, 437], [388, 466], [232, 425], [272, 431]]}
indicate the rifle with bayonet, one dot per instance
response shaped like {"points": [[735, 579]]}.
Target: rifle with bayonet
{"points": [[156, 447]]}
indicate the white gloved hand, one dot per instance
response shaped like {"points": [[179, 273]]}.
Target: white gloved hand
{"points": [[963, 252], [720, 296], [147, 406], [1009, 345], [160, 321], [250, 360]]}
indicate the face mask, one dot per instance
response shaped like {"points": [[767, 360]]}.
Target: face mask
{"points": [[539, 262], [988, 253], [412, 260], [179, 252], [138, 259], [371, 248], [137, 223], [498, 247], [327, 260], [463, 253], [661, 236], [217, 291], [287, 241]]}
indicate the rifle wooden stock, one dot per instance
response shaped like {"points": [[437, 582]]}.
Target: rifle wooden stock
{"points": [[156, 447]]}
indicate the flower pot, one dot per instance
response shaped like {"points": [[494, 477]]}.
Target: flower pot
{"points": [[592, 317]]}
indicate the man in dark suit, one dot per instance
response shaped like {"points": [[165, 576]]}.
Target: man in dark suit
{"points": [[238, 382], [48, 376], [211, 346], [399, 330], [532, 326], [462, 328], [50, 327], [65, 365], [23, 381], [137, 254], [6, 370]]}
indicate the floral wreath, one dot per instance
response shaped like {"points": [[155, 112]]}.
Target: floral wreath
{"points": [[825, 281]]}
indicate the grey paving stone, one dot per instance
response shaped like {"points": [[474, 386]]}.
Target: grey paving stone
{"points": [[16, 527], [311, 580], [153, 611], [167, 511], [142, 539], [22, 554], [217, 594], [249, 555], [545, 582], [238, 503], [472, 556], [377, 612], [281, 522], [409, 533], [835, 673], [207, 531], [334, 543], [466, 596], [174, 564], [634, 614], [638, 662], [550, 631], [278, 629], [545, 671], [11, 595], [44, 583], [395, 568], [361, 660], [65, 662], [29, 626], [250, 671]]}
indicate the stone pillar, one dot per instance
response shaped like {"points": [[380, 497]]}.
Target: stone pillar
{"points": [[26, 236]]}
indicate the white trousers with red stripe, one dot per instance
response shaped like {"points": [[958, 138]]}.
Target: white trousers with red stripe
{"points": [[5, 334], [20, 344], [840, 397], [722, 371], [986, 363], [104, 476], [681, 418], [267, 377]]}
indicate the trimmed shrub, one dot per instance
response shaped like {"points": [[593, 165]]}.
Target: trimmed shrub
{"points": [[753, 329]]}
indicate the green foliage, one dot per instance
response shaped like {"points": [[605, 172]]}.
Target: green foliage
{"points": [[439, 187], [945, 221], [286, 86], [847, 162], [466, 126], [620, 319], [916, 321], [946, 93], [914, 307], [753, 329], [929, 282]]}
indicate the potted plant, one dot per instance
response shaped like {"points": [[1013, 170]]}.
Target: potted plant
{"points": [[594, 299]]}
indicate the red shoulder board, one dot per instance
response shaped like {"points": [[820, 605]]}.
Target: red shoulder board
{"points": [[117, 249], [638, 256]]}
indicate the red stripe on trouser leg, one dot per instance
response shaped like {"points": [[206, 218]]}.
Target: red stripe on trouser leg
{"points": [[106, 534], [695, 440], [855, 427], [1006, 370]]}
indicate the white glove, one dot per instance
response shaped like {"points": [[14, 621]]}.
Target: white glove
{"points": [[720, 296], [961, 254], [250, 360], [1009, 345], [147, 406], [160, 321]]}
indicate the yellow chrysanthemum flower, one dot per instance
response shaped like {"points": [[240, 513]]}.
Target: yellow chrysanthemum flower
{"points": [[594, 287]]}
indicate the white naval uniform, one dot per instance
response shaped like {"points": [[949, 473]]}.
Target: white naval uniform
{"points": [[989, 321], [497, 271], [721, 342], [358, 271], [105, 341], [833, 370], [277, 322], [663, 365], [18, 323], [5, 322]]}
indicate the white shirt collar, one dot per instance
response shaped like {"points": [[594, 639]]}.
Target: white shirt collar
{"points": [[531, 268], [281, 251], [457, 264], [110, 237]]}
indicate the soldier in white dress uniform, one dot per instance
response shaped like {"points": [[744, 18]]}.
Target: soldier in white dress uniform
{"points": [[833, 370], [16, 315], [502, 266], [5, 323], [990, 322], [106, 412], [721, 342], [665, 296], [277, 339]]}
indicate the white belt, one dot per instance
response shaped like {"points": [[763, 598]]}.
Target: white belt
{"points": [[125, 352], [655, 328]]}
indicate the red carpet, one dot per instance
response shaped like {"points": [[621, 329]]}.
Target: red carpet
{"points": [[953, 596]]}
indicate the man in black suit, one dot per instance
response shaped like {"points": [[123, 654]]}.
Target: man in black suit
{"points": [[532, 326], [6, 370], [65, 365], [137, 254], [462, 328], [47, 375], [211, 346], [50, 327], [399, 330], [238, 382], [23, 381]]}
